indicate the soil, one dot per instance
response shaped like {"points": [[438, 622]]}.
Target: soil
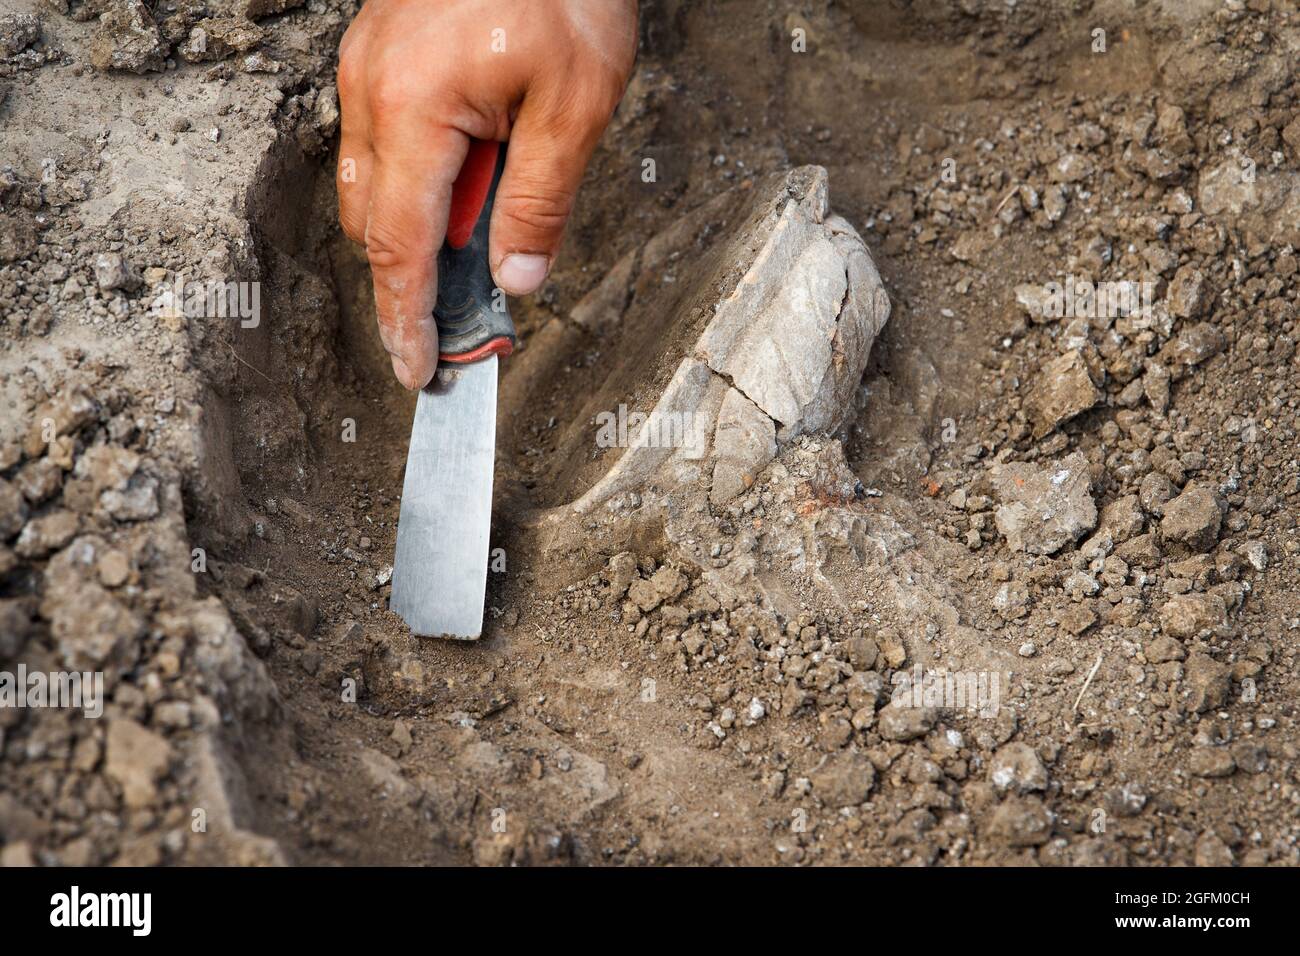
{"points": [[206, 512]]}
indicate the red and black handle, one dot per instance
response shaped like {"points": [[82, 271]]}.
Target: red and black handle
{"points": [[471, 312]]}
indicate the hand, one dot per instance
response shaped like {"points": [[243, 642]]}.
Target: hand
{"points": [[417, 79]]}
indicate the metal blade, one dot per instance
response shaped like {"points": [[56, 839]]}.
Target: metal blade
{"points": [[440, 569]]}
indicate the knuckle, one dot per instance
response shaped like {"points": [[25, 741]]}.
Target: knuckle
{"points": [[351, 71], [392, 244], [388, 95], [384, 247], [348, 78], [536, 208], [584, 110], [606, 94]]}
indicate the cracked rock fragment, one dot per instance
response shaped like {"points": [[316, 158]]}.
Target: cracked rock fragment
{"points": [[780, 336]]}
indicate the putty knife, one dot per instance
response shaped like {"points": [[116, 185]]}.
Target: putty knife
{"points": [[440, 568]]}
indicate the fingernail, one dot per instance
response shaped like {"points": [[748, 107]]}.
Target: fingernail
{"points": [[520, 274]]}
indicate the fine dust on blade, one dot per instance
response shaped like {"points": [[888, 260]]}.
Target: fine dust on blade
{"points": [[441, 562]]}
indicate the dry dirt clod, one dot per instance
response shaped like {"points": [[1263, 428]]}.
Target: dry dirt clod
{"points": [[905, 722], [13, 510], [1188, 293], [1194, 517], [128, 39], [18, 31], [215, 38], [45, 534], [1211, 762], [1017, 767], [1207, 682], [112, 271], [137, 759], [844, 780], [1062, 390], [1021, 822], [1187, 615], [1044, 509]]}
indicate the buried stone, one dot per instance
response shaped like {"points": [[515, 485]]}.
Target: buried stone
{"points": [[793, 304]]}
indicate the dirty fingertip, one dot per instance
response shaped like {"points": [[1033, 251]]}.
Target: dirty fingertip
{"points": [[412, 379], [520, 273]]}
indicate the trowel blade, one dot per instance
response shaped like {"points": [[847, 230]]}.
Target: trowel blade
{"points": [[440, 568]]}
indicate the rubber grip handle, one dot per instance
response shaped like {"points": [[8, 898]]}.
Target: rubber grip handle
{"points": [[471, 312]]}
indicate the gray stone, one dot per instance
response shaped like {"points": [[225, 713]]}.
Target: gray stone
{"points": [[778, 325], [745, 441], [1044, 509], [1016, 766], [901, 722], [778, 334]]}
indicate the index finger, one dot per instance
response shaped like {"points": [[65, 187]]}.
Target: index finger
{"points": [[410, 193]]}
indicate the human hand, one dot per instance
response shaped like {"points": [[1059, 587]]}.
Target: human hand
{"points": [[417, 79]]}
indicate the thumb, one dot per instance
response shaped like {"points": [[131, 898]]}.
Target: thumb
{"points": [[544, 164]]}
